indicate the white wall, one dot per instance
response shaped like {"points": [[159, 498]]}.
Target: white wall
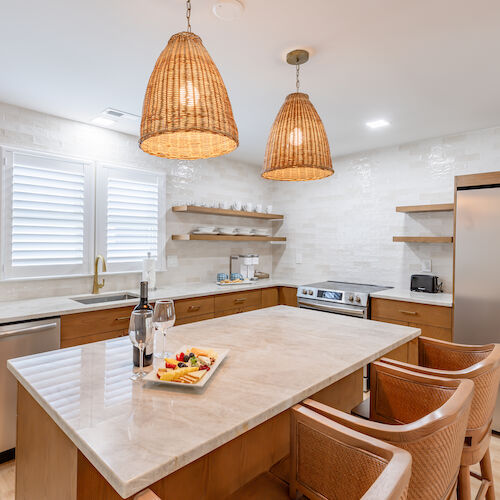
{"points": [[343, 226], [220, 178]]}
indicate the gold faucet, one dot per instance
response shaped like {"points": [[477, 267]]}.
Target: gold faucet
{"points": [[98, 285]]}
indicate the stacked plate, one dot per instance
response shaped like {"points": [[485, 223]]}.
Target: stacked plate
{"points": [[228, 230], [206, 230], [245, 231], [261, 232]]}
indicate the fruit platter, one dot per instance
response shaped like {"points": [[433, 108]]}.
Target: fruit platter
{"points": [[189, 366]]}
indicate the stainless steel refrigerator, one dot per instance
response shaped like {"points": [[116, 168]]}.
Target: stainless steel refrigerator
{"points": [[477, 270]]}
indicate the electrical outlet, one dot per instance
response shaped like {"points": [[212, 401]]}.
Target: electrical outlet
{"points": [[172, 261], [298, 258], [426, 265]]}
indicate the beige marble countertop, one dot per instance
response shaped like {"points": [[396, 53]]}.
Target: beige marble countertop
{"points": [[137, 433], [435, 299], [45, 307]]}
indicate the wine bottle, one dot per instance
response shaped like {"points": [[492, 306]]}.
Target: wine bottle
{"points": [[144, 305]]}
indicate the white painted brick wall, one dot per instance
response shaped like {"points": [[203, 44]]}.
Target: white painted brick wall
{"points": [[343, 226], [204, 180]]}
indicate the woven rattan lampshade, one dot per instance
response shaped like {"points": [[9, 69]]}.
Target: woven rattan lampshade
{"points": [[187, 114], [297, 148]]}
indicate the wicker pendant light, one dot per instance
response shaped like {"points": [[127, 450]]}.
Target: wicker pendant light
{"points": [[297, 148], [187, 114]]}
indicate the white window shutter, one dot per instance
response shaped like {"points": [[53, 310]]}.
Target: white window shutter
{"points": [[47, 215], [130, 222]]}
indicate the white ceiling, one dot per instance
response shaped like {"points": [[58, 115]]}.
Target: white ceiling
{"points": [[429, 66]]}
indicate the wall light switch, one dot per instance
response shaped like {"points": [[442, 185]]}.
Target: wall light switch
{"points": [[298, 258], [172, 261], [427, 266]]}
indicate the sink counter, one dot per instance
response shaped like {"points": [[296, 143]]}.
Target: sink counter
{"points": [[135, 434], [22, 310]]}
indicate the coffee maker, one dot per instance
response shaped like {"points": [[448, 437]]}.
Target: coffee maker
{"points": [[244, 265]]}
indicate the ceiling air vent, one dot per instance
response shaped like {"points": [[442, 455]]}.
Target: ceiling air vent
{"points": [[115, 114]]}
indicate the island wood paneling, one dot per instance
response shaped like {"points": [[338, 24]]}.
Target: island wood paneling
{"points": [[46, 460]]}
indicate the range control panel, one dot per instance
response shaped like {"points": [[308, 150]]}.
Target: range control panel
{"points": [[338, 296]]}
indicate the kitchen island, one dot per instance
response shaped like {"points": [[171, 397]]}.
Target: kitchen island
{"points": [[85, 431]]}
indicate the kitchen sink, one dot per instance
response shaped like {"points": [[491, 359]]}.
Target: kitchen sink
{"points": [[97, 299]]}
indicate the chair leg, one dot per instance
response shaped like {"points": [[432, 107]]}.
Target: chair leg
{"points": [[487, 473], [464, 492]]}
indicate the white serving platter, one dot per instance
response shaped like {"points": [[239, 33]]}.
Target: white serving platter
{"points": [[221, 354]]}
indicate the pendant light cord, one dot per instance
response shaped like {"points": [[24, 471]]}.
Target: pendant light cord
{"points": [[297, 71], [188, 15]]}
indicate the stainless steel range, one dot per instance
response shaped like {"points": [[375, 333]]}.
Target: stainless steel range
{"points": [[338, 297], [350, 299]]}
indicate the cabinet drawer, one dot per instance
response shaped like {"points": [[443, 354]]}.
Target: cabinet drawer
{"points": [[434, 332], [412, 312], [198, 306], [238, 300], [229, 312], [192, 319], [89, 323], [92, 338]]}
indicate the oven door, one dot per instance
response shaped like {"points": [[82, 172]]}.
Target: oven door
{"points": [[333, 307]]}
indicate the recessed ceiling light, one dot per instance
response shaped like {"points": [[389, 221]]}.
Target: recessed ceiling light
{"points": [[102, 121], [228, 10], [378, 123]]}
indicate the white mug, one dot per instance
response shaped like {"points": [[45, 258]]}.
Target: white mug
{"points": [[258, 207], [269, 209], [249, 206], [237, 205]]}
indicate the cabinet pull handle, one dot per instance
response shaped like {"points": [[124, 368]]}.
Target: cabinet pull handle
{"points": [[193, 308], [411, 313], [122, 318], [239, 301]]}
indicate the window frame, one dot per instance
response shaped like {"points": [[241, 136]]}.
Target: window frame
{"points": [[102, 172], [7, 270]]}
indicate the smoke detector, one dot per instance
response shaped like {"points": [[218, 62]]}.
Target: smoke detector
{"points": [[228, 10]]}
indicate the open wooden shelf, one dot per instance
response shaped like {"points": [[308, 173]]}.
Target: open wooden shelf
{"points": [[224, 237], [438, 207], [423, 239], [228, 212]]}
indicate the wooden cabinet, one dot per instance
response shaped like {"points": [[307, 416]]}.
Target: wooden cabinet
{"points": [[195, 309], [270, 297], [288, 296], [232, 303], [83, 328], [434, 321]]}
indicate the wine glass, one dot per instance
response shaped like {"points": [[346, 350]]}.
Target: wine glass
{"points": [[163, 319], [140, 331]]}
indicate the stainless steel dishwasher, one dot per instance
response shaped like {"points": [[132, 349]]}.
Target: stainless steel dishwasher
{"points": [[16, 340]]}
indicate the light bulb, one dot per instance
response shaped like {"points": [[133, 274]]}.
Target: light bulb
{"points": [[189, 95], [296, 137]]}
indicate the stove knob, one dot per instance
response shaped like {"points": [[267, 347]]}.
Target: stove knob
{"points": [[310, 292], [358, 299], [351, 298], [304, 291]]}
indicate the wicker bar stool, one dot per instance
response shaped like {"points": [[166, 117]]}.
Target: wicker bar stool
{"points": [[481, 364], [424, 415], [329, 461]]}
